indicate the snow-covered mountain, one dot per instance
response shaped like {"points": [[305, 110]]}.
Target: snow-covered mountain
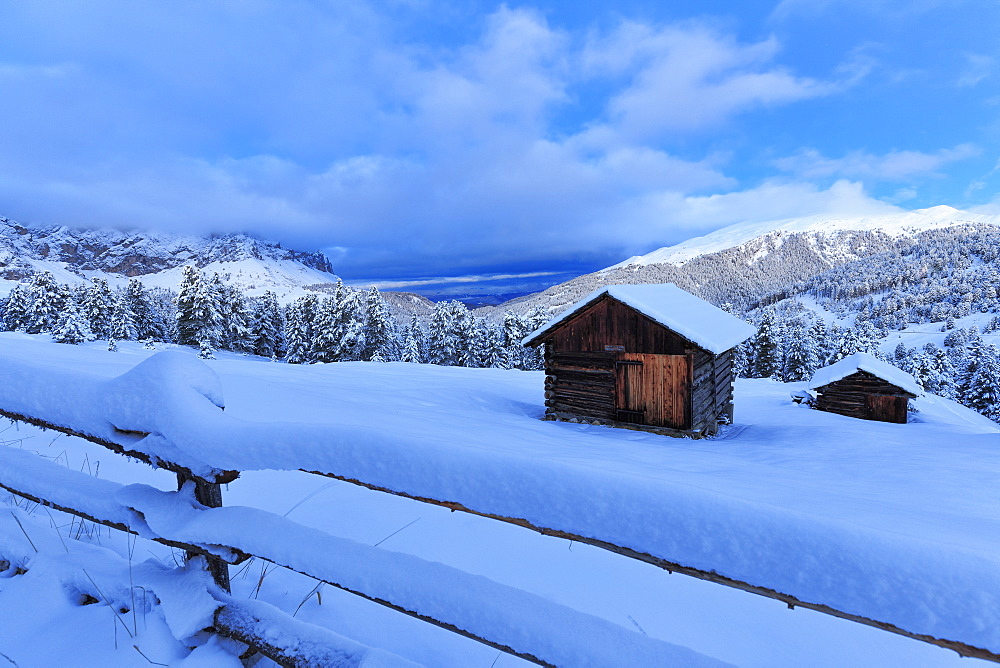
{"points": [[825, 227], [156, 259], [748, 262]]}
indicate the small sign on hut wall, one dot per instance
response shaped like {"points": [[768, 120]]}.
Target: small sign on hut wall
{"points": [[614, 349]]}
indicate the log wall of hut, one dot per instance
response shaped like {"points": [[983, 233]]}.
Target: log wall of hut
{"points": [[608, 322], [585, 360], [866, 396]]}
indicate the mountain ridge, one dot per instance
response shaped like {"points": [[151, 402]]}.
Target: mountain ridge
{"points": [[742, 264], [894, 224], [155, 258]]}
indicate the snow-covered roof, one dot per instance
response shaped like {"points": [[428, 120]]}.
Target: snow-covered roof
{"points": [[865, 362], [699, 322]]}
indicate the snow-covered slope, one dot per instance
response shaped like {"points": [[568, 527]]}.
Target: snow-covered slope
{"points": [[893, 224], [156, 259], [812, 501]]}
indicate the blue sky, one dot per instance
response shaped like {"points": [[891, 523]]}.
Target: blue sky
{"points": [[413, 139]]}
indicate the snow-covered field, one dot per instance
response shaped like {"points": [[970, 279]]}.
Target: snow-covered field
{"points": [[897, 522]]}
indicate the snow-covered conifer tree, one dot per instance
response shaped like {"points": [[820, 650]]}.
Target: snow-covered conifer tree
{"points": [[188, 326], [199, 312], [206, 350], [45, 304], [801, 357], [122, 319], [443, 337], [983, 391], [514, 330], [266, 330], [820, 337], [413, 343], [767, 355], [299, 328], [16, 308], [379, 329], [534, 358], [491, 349], [338, 331], [97, 305], [72, 327], [235, 315], [902, 357]]}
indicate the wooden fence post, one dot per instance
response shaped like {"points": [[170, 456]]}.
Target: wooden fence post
{"points": [[208, 494]]}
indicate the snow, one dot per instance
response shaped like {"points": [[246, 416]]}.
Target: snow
{"points": [[895, 522], [678, 310], [893, 224], [865, 362], [471, 602], [254, 265]]}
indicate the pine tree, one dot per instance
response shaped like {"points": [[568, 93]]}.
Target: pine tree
{"points": [[801, 355], [443, 339], [188, 326], [235, 315], [72, 327], [534, 358], [97, 305], [967, 369], [206, 350], [299, 328], [514, 331], [983, 392], [338, 334], [379, 329], [470, 341], [199, 312], [413, 343], [122, 319], [266, 330], [819, 335], [45, 304], [137, 303], [767, 360], [16, 308], [492, 351], [901, 357]]}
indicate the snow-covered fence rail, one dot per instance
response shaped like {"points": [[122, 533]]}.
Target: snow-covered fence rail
{"points": [[167, 409]]}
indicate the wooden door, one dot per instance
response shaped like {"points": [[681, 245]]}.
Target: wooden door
{"points": [[652, 389], [886, 408]]}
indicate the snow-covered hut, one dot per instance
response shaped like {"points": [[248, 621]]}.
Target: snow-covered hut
{"points": [[650, 355], [864, 386]]}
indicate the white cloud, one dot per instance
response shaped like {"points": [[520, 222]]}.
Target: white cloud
{"points": [[891, 166], [977, 68], [690, 77]]}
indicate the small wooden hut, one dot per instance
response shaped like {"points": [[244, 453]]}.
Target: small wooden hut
{"points": [[646, 356], [863, 386]]}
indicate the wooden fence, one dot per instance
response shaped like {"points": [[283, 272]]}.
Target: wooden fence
{"points": [[47, 483]]}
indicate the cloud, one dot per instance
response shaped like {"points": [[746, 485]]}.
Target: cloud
{"points": [[325, 125], [891, 166], [690, 77], [977, 68]]}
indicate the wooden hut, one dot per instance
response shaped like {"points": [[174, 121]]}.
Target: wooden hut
{"points": [[865, 387], [647, 356]]}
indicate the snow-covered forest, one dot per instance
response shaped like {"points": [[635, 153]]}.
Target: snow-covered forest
{"points": [[943, 280], [205, 312]]}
